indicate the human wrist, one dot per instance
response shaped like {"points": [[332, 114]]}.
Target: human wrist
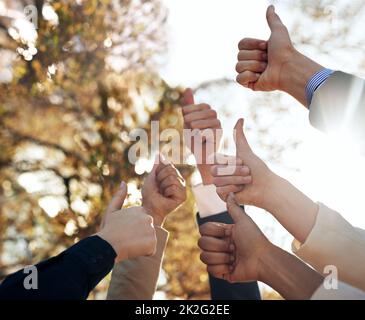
{"points": [[271, 195], [288, 275], [264, 260], [296, 73], [105, 235], [204, 170], [292, 208], [158, 218]]}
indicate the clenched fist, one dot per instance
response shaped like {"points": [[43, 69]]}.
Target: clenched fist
{"points": [[233, 252], [129, 231], [163, 190], [260, 62], [241, 252], [274, 64]]}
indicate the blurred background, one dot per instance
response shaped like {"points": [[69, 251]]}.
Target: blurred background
{"points": [[81, 75]]}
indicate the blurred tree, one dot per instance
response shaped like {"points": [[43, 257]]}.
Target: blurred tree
{"points": [[77, 86]]}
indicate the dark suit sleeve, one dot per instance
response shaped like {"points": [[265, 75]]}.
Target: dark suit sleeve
{"points": [[70, 275], [221, 289]]}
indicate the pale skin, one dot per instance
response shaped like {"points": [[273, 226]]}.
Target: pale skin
{"points": [[130, 231], [267, 65], [163, 190], [241, 252], [274, 64], [201, 117], [293, 209]]}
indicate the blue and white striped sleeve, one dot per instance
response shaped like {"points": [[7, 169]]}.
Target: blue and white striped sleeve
{"points": [[315, 82]]}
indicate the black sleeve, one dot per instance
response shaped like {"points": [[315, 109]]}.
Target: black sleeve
{"points": [[70, 275], [221, 289]]}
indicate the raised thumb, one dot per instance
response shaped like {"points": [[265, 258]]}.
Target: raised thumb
{"points": [[118, 199], [188, 97], [273, 20], [242, 146], [235, 211]]}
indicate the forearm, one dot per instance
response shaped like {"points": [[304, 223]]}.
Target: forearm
{"points": [[293, 209], [289, 276], [295, 75]]}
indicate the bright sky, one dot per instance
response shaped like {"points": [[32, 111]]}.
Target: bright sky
{"points": [[203, 46], [203, 37]]}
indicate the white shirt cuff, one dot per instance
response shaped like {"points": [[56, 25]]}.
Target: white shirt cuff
{"points": [[207, 200]]}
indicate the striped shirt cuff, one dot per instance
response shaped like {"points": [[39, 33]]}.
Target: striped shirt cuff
{"points": [[315, 82]]}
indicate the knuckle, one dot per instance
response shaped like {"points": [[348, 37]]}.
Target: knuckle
{"points": [[203, 228], [256, 65], [195, 125], [170, 179], [204, 106], [242, 77], [226, 246], [171, 169], [257, 55], [242, 42], [251, 76], [201, 243], [205, 257]]}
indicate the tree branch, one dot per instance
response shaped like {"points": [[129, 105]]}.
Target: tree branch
{"points": [[25, 137]]}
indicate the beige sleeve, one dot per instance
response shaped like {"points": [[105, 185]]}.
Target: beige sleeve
{"points": [[338, 107], [342, 292], [136, 279], [334, 241]]}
